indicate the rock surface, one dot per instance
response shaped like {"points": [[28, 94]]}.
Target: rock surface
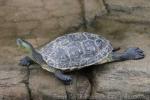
{"points": [[125, 23], [11, 83], [42, 17], [129, 10], [128, 80], [125, 80], [93, 8], [45, 86]]}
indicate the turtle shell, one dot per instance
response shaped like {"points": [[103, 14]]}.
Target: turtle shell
{"points": [[76, 50]]}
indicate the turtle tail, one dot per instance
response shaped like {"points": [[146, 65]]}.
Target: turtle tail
{"points": [[116, 49]]}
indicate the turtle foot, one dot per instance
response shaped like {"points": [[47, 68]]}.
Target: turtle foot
{"points": [[26, 61], [133, 54], [66, 79]]}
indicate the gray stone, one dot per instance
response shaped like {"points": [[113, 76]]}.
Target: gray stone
{"points": [[94, 8], [11, 83], [127, 10]]}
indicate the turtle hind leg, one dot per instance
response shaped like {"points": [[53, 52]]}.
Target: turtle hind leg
{"points": [[130, 54], [65, 78], [26, 61]]}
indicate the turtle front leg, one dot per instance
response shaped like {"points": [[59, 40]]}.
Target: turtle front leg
{"points": [[26, 61], [129, 54], [61, 76]]}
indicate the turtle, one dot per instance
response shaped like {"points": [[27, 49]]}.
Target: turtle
{"points": [[74, 51]]}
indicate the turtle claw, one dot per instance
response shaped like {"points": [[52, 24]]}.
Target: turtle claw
{"points": [[138, 57], [142, 54], [139, 50], [134, 54], [66, 79], [25, 61]]}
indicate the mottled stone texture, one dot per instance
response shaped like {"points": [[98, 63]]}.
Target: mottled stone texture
{"points": [[94, 8], [124, 22], [128, 80], [45, 86], [129, 10], [39, 16], [11, 83], [42, 17]]}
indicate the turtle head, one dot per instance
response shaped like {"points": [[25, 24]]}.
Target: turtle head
{"points": [[24, 45]]}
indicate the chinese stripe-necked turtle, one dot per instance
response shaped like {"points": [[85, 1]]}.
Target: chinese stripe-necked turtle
{"points": [[75, 51]]}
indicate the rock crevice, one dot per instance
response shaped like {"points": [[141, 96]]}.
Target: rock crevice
{"points": [[26, 82]]}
